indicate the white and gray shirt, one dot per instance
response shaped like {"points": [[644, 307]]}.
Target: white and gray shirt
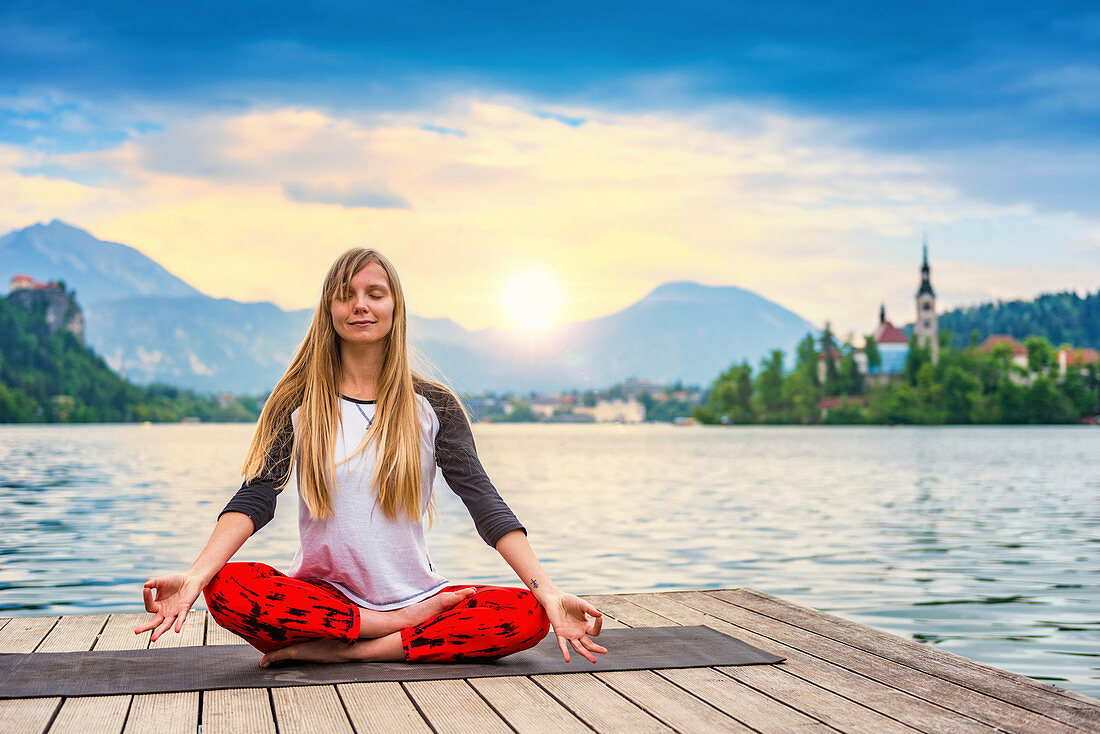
{"points": [[378, 562]]}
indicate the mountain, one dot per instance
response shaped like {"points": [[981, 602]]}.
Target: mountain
{"points": [[99, 270], [153, 327], [48, 376]]}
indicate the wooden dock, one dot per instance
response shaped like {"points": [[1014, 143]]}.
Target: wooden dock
{"points": [[838, 676]]}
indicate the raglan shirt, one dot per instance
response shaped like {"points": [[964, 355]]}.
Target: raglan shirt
{"points": [[378, 562]]}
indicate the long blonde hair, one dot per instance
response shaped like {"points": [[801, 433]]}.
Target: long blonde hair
{"points": [[312, 381]]}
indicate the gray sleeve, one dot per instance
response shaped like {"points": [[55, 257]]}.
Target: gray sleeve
{"points": [[257, 498], [456, 457]]}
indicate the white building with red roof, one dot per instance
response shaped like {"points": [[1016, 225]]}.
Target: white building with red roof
{"points": [[893, 346]]}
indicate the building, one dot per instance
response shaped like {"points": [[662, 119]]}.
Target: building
{"points": [[619, 411], [1077, 358], [926, 327], [1019, 355], [893, 348], [21, 282]]}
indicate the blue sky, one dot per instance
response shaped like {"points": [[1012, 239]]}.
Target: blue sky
{"points": [[984, 116]]}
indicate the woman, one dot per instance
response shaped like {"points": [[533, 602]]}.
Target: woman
{"points": [[367, 434]]}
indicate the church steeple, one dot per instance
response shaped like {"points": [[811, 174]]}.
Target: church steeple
{"points": [[926, 327], [925, 274]]}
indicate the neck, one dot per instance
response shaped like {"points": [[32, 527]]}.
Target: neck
{"points": [[360, 368]]}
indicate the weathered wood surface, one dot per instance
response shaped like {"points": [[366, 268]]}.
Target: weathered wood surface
{"points": [[838, 676]]}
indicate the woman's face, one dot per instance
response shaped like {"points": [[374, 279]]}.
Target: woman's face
{"points": [[367, 315]]}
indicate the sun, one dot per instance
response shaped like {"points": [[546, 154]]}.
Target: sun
{"points": [[531, 299]]}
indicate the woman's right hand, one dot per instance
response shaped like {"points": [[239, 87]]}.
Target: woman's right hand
{"points": [[174, 596]]}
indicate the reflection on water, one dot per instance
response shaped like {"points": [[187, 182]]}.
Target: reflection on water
{"points": [[982, 541]]}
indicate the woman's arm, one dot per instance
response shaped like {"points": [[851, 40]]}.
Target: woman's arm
{"points": [[250, 509], [566, 611], [176, 593]]}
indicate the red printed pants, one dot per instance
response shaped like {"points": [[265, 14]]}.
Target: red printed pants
{"points": [[272, 610]]}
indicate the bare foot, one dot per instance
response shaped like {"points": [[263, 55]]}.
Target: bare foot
{"points": [[315, 651], [338, 651], [374, 624], [425, 610]]}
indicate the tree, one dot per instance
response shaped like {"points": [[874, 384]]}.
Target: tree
{"points": [[1040, 354], [874, 356], [806, 358], [770, 385], [829, 352], [961, 390]]}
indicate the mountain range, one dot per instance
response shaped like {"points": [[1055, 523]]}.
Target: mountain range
{"points": [[151, 326]]}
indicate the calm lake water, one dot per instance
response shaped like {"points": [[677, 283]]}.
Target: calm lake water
{"points": [[981, 540]]}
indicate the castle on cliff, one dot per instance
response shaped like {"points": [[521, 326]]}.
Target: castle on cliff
{"points": [[52, 299]]}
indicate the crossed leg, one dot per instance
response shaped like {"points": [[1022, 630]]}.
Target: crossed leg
{"points": [[309, 619]]}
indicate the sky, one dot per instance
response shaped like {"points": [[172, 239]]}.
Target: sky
{"points": [[800, 150]]}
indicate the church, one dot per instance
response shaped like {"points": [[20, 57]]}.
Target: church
{"points": [[893, 344]]}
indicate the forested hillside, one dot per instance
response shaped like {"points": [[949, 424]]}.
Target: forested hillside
{"points": [[49, 376], [1063, 318]]}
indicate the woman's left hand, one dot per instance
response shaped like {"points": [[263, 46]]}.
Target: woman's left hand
{"points": [[567, 615]]}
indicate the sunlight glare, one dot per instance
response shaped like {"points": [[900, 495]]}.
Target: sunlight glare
{"points": [[531, 299]]}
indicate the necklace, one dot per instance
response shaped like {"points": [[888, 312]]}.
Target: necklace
{"points": [[370, 421]]}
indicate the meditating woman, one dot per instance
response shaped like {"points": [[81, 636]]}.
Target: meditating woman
{"points": [[366, 434]]}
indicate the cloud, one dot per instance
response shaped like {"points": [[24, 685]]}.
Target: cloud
{"points": [[372, 195], [787, 205]]}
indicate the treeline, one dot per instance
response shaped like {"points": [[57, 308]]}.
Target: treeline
{"points": [[1063, 318], [53, 378], [965, 386]]}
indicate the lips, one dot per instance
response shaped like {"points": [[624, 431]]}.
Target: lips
{"points": [[362, 323]]}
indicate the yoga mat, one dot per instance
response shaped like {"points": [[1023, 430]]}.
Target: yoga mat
{"points": [[210, 667]]}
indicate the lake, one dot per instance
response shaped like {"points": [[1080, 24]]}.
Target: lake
{"points": [[984, 541]]}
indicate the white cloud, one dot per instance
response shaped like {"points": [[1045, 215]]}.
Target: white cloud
{"points": [[787, 206]]}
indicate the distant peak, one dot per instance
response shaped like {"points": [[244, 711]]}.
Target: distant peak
{"points": [[680, 288]]}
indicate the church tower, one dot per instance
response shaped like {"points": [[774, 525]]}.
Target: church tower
{"points": [[926, 326]]}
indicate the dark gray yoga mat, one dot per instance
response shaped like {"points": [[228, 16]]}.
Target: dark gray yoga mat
{"points": [[211, 667]]}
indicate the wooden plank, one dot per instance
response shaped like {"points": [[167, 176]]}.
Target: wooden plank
{"points": [[906, 651], [23, 634], [526, 707], [74, 633], [27, 715], [92, 715], [745, 704], [609, 621], [453, 706], [237, 711], [309, 709], [628, 613], [815, 701], [669, 703], [963, 700], [1075, 709], [163, 713], [381, 708], [118, 633], [218, 635], [917, 712], [599, 706], [192, 634]]}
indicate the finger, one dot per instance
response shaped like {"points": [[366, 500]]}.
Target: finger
{"points": [[581, 649], [164, 627], [150, 624], [592, 645], [595, 626], [147, 597], [592, 611], [564, 649], [182, 619]]}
